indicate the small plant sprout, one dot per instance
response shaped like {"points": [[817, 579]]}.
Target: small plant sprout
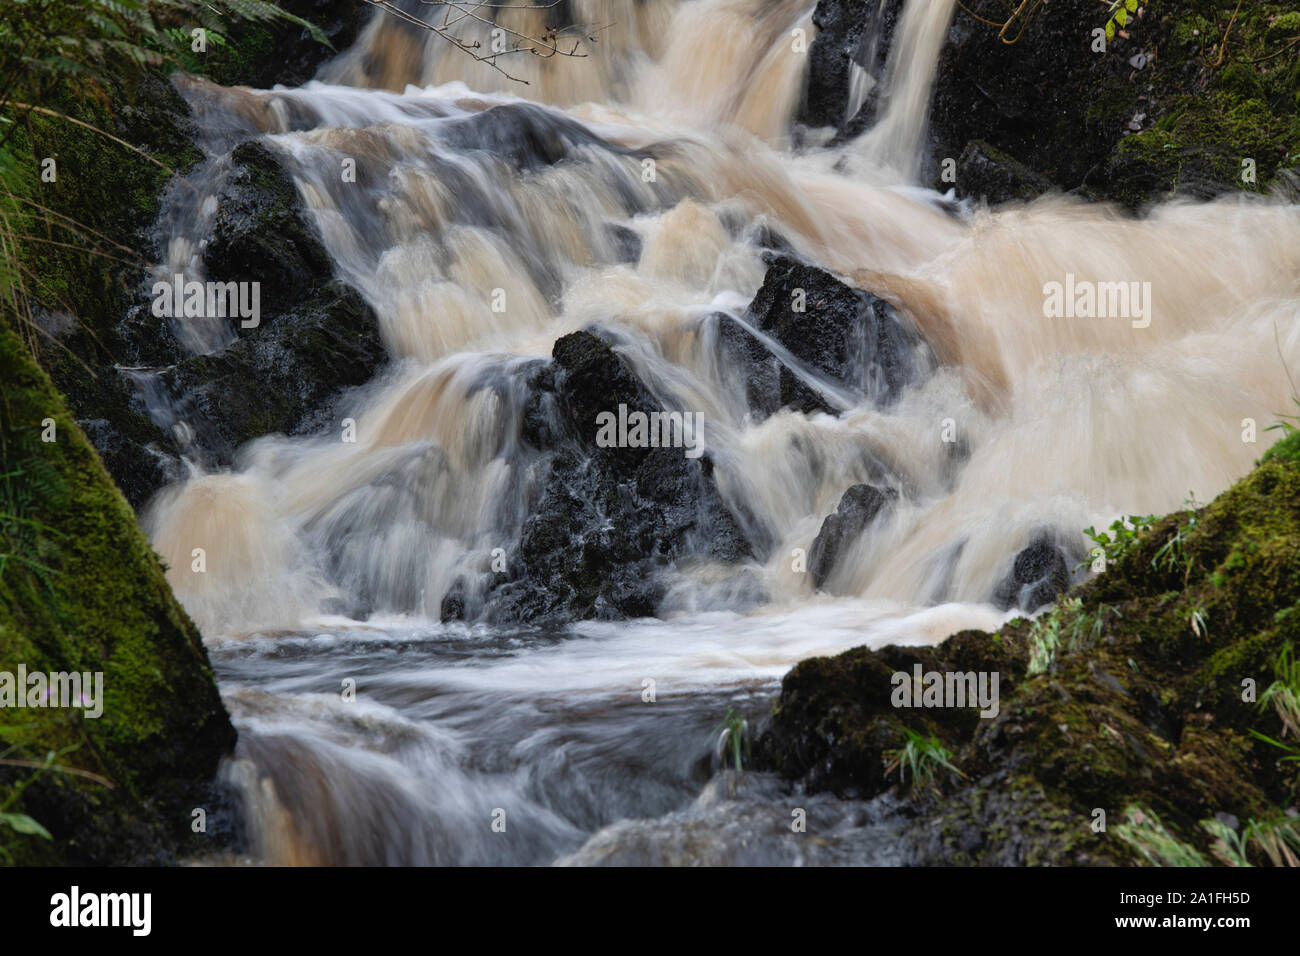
{"points": [[731, 735], [1123, 535], [1277, 840], [1283, 695], [1143, 831], [921, 755], [1173, 553]]}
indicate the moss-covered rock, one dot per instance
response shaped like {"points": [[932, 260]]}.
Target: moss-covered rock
{"points": [[84, 592], [84, 278], [80, 589], [1131, 691], [1170, 107]]}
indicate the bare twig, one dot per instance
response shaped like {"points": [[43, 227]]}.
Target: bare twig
{"points": [[456, 12]]}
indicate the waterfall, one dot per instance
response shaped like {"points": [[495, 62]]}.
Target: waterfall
{"points": [[493, 219]]}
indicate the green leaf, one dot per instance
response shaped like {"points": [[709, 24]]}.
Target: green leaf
{"points": [[1121, 17], [22, 823], [1132, 5]]}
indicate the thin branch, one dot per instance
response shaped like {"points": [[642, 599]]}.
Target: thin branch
{"points": [[545, 46]]}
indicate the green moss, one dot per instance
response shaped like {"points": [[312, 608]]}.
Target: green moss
{"points": [[1288, 449], [103, 607], [1209, 110], [1142, 701]]}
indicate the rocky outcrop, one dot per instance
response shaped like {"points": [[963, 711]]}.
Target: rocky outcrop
{"points": [[1160, 112], [1163, 110], [858, 507], [850, 33], [607, 521], [1127, 697], [850, 338], [316, 335]]}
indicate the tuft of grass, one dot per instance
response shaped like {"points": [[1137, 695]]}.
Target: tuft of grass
{"points": [[923, 757], [732, 735], [1143, 831], [1283, 695], [1275, 842], [1067, 626], [1278, 841]]}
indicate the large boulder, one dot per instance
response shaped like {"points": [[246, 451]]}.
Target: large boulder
{"points": [[315, 336], [854, 340], [607, 521]]}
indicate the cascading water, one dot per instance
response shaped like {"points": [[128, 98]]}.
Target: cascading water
{"points": [[328, 561]]}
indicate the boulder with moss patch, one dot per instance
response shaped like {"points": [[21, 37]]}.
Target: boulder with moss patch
{"points": [[1128, 692]]}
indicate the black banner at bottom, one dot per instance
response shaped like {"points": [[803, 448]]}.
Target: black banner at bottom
{"points": [[265, 905]]}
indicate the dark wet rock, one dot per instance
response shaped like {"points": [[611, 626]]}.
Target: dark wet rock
{"points": [[144, 465], [283, 377], [1038, 575], [262, 233], [627, 243], [769, 384], [848, 31], [851, 337], [985, 172], [1142, 121], [453, 602], [607, 522], [858, 507]]}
